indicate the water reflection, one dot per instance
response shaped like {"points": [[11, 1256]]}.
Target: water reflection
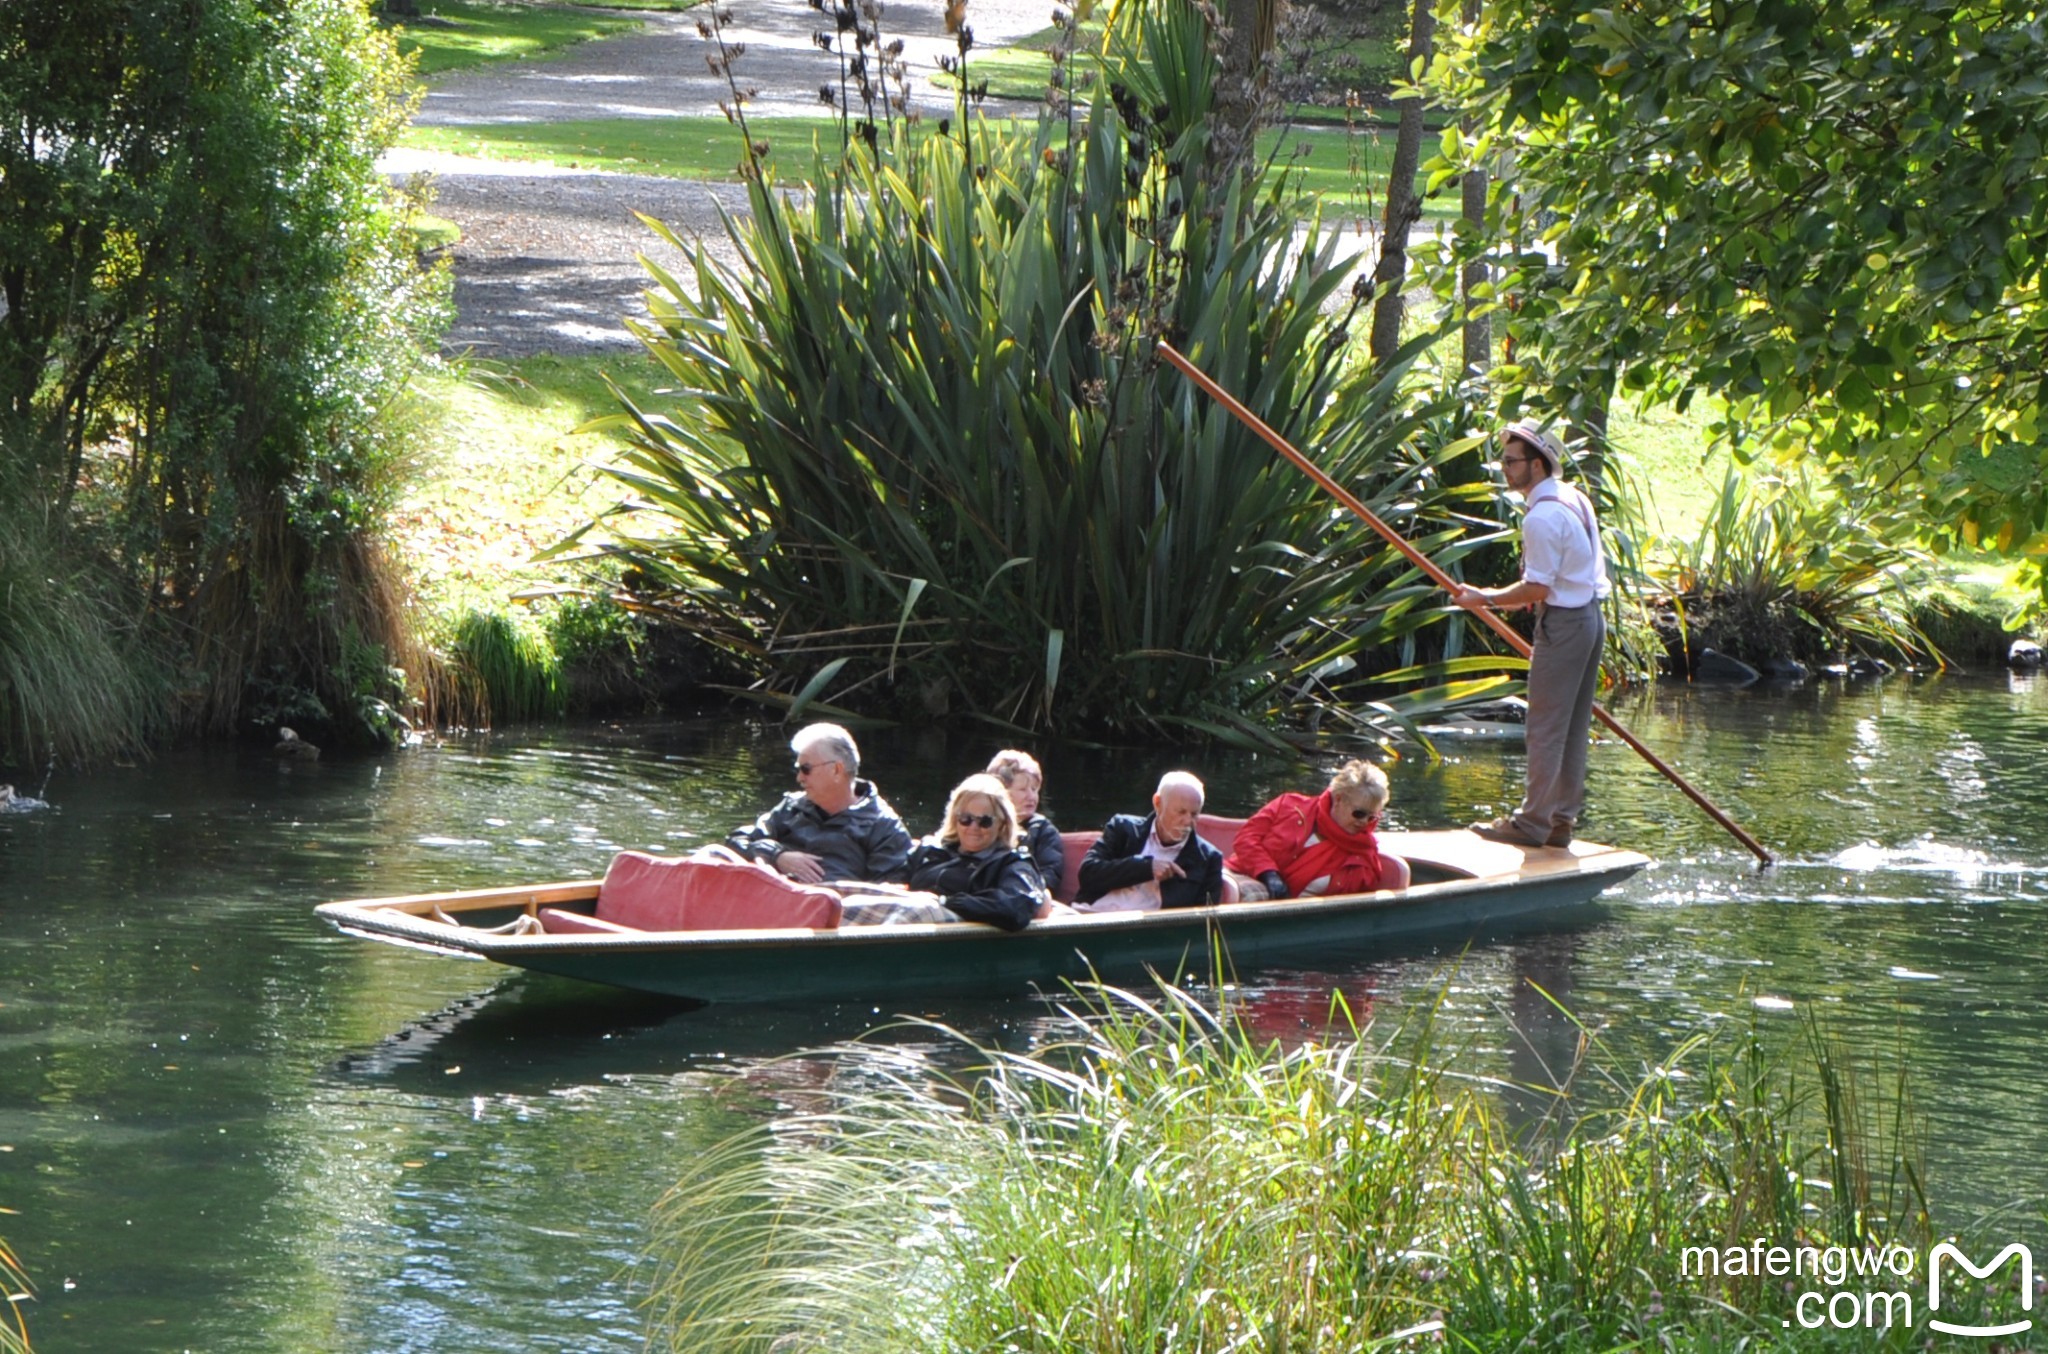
{"points": [[233, 1130]]}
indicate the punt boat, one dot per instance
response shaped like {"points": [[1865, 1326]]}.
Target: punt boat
{"points": [[739, 933]]}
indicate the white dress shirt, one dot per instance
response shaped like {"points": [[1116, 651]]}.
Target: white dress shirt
{"points": [[1561, 545]]}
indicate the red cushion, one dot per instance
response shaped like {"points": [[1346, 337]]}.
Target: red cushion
{"points": [[557, 921], [654, 893], [1076, 845], [1219, 832]]}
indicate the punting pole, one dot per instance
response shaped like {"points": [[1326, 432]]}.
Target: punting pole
{"points": [[1446, 582]]}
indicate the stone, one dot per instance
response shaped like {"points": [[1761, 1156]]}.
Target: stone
{"points": [[1715, 666], [1786, 670], [1869, 667], [2024, 656]]}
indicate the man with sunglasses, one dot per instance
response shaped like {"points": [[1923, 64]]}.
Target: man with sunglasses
{"points": [[1564, 576], [834, 826], [1143, 864]]}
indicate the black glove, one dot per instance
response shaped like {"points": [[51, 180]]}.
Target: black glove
{"points": [[1276, 887]]}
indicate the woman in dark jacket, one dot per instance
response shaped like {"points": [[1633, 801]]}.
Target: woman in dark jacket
{"points": [[1020, 774], [973, 863]]}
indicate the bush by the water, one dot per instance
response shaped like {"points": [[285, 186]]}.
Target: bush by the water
{"points": [[1168, 1181], [923, 457], [211, 300]]}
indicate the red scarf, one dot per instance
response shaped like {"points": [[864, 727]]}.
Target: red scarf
{"points": [[1350, 859]]}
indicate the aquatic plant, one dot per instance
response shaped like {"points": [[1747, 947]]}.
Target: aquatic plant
{"points": [[1166, 1180], [922, 457]]}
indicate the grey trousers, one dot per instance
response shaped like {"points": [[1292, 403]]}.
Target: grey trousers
{"points": [[1564, 674]]}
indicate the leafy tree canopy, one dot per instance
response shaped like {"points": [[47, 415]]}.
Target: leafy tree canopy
{"points": [[1832, 213]]}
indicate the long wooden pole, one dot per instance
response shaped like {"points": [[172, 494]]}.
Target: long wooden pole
{"points": [[1444, 581]]}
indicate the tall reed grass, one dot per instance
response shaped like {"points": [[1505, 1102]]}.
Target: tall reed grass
{"points": [[80, 677], [513, 662], [1164, 1180], [14, 1291]]}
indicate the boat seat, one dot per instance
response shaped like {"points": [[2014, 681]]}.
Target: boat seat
{"points": [[1076, 845], [658, 893]]}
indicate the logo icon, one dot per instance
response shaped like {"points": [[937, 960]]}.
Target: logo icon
{"points": [[1947, 1251]]}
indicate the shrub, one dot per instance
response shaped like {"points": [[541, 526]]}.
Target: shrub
{"points": [[922, 454], [1783, 564], [511, 659]]}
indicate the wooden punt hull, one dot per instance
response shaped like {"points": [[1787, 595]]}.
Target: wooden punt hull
{"points": [[1474, 886]]}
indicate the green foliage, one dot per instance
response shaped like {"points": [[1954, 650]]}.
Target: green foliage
{"points": [[922, 433], [511, 658], [1781, 560], [211, 300], [1828, 212], [1167, 1180]]}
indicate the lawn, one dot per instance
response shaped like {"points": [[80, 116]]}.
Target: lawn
{"points": [[482, 33], [1347, 170], [505, 475]]}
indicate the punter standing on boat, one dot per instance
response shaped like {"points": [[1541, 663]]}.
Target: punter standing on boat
{"points": [[1564, 576], [835, 826]]}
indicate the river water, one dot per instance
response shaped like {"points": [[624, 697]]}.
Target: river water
{"points": [[225, 1128]]}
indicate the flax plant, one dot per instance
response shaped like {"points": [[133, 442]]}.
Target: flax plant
{"points": [[921, 456]]}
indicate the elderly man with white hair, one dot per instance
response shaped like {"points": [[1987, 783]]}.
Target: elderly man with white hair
{"points": [[834, 826], [1143, 864]]}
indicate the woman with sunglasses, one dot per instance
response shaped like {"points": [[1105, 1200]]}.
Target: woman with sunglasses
{"points": [[973, 864], [1301, 846]]}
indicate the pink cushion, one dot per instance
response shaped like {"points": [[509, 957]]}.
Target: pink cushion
{"points": [[655, 893], [555, 921]]}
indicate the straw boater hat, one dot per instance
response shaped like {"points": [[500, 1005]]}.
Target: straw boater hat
{"points": [[1539, 439]]}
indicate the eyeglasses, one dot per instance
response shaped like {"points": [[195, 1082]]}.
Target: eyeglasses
{"points": [[1507, 459], [1361, 813], [981, 820], [805, 768]]}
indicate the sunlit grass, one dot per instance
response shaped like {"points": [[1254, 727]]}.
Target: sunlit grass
{"points": [[505, 474], [486, 33], [709, 148]]}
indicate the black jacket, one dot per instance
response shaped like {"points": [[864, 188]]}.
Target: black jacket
{"points": [[1114, 863], [999, 886], [864, 841], [1047, 851]]}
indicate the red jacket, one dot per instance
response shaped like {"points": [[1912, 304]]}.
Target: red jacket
{"points": [[1276, 836]]}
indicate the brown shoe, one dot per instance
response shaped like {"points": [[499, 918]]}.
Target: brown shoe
{"points": [[1502, 830], [1559, 836]]}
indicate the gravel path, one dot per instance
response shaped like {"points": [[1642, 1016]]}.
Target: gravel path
{"points": [[548, 260]]}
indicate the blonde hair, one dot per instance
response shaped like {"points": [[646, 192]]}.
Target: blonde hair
{"points": [[997, 794], [1008, 764], [1361, 782]]}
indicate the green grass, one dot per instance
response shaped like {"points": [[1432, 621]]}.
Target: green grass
{"points": [[506, 476], [709, 148], [1167, 1180], [486, 33], [1675, 466]]}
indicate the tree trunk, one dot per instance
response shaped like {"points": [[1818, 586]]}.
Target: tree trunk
{"points": [[1253, 28], [1478, 332], [1404, 205]]}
